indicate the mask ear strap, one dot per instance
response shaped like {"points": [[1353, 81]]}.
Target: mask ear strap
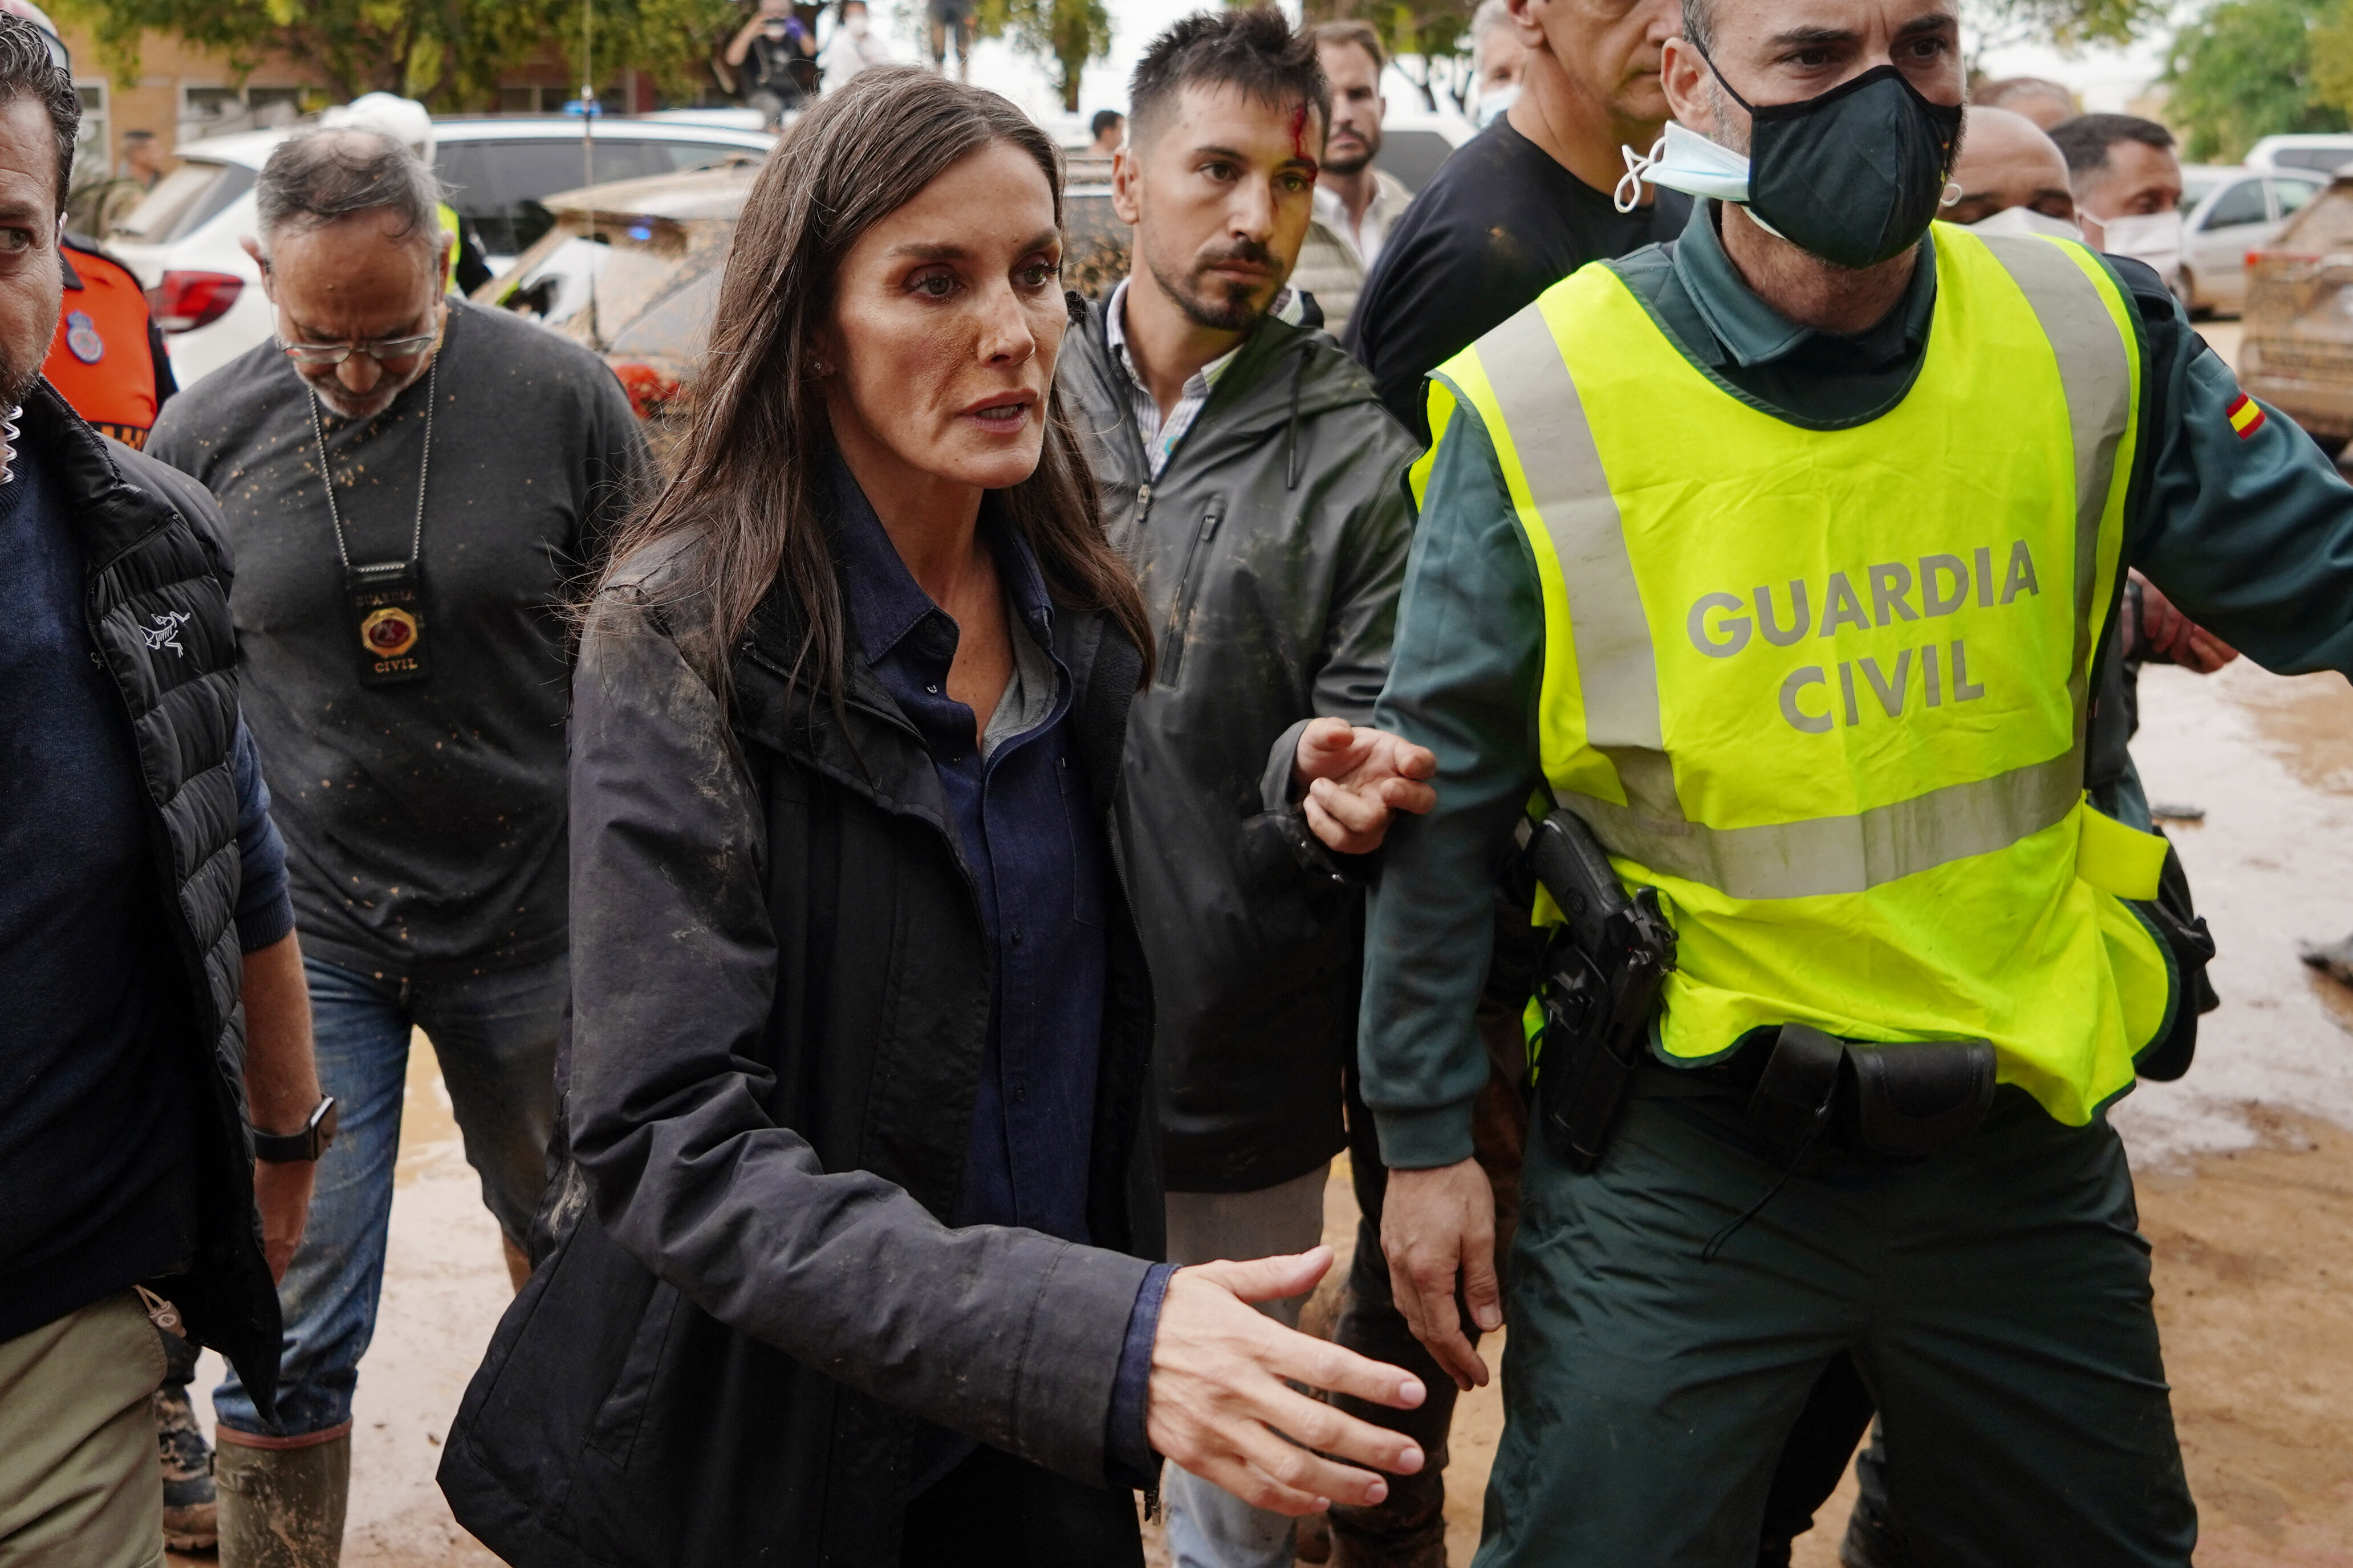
{"points": [[1717, 72], [1629, 191]]}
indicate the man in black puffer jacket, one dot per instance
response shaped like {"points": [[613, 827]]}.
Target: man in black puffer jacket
{"points": [[1249, 471], [144, 927]]}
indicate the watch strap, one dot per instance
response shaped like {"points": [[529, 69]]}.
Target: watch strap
{"points": [[286, 1148]]}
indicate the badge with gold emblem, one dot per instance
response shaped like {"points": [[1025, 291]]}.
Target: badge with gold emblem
{"points": [[387, 602], [386, 598]]}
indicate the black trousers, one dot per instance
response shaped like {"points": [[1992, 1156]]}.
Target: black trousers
{"points": [[996, 1511]]}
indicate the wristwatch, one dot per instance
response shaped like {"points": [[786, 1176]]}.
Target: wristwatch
{"points": [[284, 1148]]}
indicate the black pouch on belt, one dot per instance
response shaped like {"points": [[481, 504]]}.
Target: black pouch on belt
{"points": [[1907, 1101], [1913, 1101]]}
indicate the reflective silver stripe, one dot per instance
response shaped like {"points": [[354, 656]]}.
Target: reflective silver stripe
{"points": [[1616, 668], [2097, 377], [1845, 854]]}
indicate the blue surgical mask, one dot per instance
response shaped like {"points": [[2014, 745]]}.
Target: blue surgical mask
{"points": [[1685, 161]]}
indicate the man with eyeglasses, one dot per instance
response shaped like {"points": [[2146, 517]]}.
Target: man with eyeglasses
{"points": [[410, 485]]}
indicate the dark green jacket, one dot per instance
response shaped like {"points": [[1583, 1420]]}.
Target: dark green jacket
{"points": [[1270, 548]]}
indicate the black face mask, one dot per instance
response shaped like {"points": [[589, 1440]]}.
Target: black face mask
{"points": [[1854, 175]]}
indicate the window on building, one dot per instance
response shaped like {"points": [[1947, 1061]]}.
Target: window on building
{"points": [[274, 105], [204, 104]]}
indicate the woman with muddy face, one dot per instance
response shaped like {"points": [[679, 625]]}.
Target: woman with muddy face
{"points": [[850, 1259]]}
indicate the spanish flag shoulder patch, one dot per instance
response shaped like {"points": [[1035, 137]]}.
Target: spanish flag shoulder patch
{"points": [[2245, 415]]}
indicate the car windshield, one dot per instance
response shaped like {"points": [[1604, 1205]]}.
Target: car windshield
{"points": [[606, 280], [182, 200], [2194, 189], [499, 185]]}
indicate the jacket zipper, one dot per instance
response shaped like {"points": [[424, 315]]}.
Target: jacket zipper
{"points": [[1180, 614]]}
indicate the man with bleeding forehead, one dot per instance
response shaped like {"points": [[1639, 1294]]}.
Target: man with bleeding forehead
{"points": [[1785, 555]]}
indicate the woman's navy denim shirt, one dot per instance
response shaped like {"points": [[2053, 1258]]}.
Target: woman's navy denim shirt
{"points": [[1040, 863]]}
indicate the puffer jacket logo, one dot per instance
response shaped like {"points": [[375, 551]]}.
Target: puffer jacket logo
{"points": [[165, 633]]}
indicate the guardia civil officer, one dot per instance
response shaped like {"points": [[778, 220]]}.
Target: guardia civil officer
{"points": [[1783, 555]]}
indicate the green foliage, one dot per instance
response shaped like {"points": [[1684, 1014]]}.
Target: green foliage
{"points": [[2063, 23], [1063, 36], [449, 53], [2247, 70]]}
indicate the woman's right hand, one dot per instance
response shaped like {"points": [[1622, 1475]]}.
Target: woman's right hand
{"points": [[1220, 1408]]}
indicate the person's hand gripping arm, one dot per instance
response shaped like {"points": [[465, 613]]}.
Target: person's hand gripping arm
{"points": [[1354, 778]]}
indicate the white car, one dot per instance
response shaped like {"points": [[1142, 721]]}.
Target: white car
{"points": [[183, 239], [2225, 214], [2322, 151]]}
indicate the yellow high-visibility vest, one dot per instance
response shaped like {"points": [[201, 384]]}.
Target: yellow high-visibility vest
{"points": [[1827, 689], [447, 215]]}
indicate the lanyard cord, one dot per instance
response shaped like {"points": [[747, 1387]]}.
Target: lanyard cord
{"points": [[424, 467]]}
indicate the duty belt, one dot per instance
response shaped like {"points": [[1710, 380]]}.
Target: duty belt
{"points": [[1900, 1101], [1895, 1103]]}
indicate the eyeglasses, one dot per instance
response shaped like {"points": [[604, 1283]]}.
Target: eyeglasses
{"points": [[380, 351]]}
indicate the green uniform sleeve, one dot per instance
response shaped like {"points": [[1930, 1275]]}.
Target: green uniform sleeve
{"points": [[2251, 535], [1462, 681]]}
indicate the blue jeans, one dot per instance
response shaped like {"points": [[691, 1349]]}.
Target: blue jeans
{"points": [[1208, 1526], [495, 1035]]}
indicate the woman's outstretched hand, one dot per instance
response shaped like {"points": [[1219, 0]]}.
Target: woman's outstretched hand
{"points": [[1355, 778], [1220, 1408]]}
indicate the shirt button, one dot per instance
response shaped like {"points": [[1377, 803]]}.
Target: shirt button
{"points": [[933, 689], [1017, 939]]}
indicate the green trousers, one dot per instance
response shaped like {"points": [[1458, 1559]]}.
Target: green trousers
{"points": [[1996, 1298]]}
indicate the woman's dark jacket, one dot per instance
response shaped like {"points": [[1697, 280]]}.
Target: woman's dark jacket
{"points": [[781, 997]]}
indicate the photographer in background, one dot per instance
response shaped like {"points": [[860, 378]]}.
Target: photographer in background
{"points": [[778, 46]]}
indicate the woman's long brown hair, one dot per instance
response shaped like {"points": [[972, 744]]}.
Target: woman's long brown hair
{"points": [[751, 475]]}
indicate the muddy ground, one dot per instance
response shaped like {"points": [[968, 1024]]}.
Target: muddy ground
{"points": [[2246, 1179]]}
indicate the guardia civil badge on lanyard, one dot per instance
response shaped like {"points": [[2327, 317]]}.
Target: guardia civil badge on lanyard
{"points": [[386, 598]]}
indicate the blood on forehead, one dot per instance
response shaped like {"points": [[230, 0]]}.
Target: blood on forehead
{"points": [[1299, 134]]}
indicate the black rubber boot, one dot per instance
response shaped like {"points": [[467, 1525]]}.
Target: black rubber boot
{"points": [[283, 1508]]}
